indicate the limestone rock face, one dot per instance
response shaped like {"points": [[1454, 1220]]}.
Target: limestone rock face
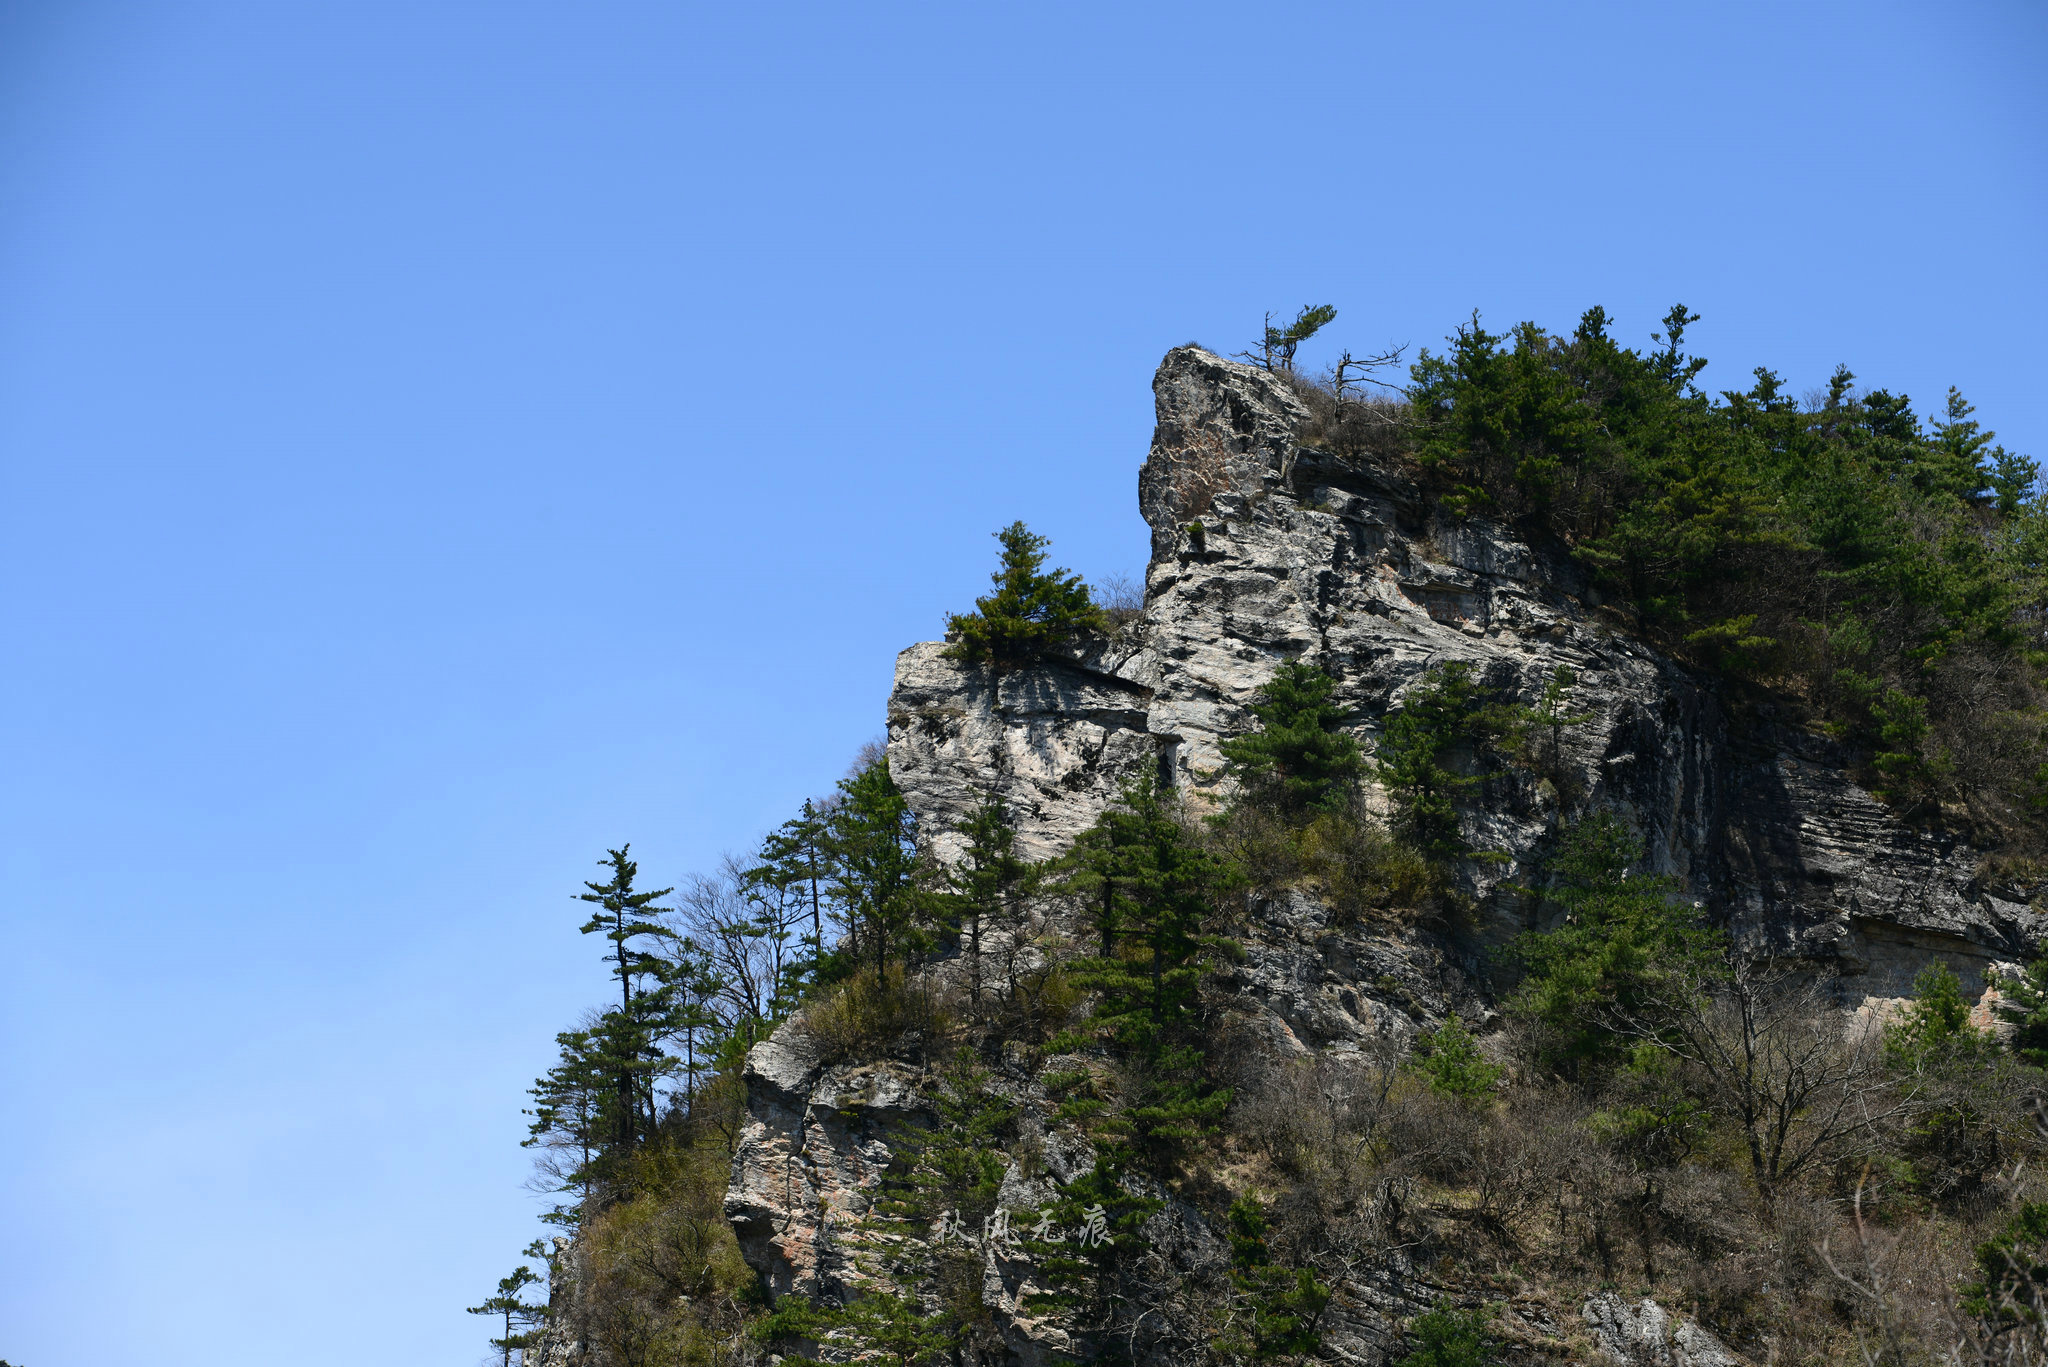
{"points": [[1645, 1334], [811, 1158], [1265, 549]]}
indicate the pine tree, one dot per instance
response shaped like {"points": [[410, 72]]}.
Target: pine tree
{"points": [[954, 1167], [1277, 1308], [1624, 935], [1935, 1030], [988, 885], [795, 857], [2010, 1288], [1157, 889], [620, 917], [1450, 1337], [1551, 715], [514, 1310], [2023, 1003], [1277, 345], [879, 1327], [1301, 759], [694, 987], [1032, 613], [1414, 758], [1448, 1058], [568, 1113], [875, 866]]}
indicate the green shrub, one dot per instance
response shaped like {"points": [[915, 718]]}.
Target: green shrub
{"points": [[1414, 758], [1624, 933], [1450, 1337], [1448, 1058], [2010, 1285]]}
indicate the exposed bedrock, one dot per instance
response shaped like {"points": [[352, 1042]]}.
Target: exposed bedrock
{"points": [[1265, 549]]}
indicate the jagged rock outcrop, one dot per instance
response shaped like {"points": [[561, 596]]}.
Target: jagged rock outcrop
{"points": [[811, 1159], [1645, 1334], [1265, 549]]}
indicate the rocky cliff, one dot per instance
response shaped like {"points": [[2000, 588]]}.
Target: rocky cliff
{"points": [[1266, 548]]}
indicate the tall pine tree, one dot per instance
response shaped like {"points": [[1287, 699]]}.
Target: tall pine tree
{"points": [[988, 885], [1153, 890], [621, 918], [875, 866]]}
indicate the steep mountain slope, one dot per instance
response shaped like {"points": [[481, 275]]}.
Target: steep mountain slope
{"points": [[1266, 549]]}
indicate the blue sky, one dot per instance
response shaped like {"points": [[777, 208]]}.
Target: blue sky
{"points": [[439, 441]]}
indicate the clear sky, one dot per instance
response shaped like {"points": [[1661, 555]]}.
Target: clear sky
{"points": [[438, 441]]}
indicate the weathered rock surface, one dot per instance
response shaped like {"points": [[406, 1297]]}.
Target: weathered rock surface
{"points": [[1645, 1334], [811, 1159], [1265, 549]]}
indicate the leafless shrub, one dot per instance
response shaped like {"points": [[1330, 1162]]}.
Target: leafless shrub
{"points": [[1349, 423], [1769, 1051], [1897, 1287], [1526, 1157], [1121, 598]]}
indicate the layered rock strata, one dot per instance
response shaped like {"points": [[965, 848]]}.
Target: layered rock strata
{"points": [[1267, 549]]}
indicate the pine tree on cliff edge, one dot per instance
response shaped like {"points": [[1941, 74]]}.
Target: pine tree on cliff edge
{"points": [[620, 919], [1032, 612]]}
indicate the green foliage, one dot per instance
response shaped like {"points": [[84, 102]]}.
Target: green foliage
{"points": [[1278, 1309], [1074, 1269], [1033, 612], [877, 1326], [1893, 568], [2023, 1003], [795, 860], [626, 1034], [1301, 759], [621, 917], [1450, 1337], [569, 1117], [1448, 1058], [1151, 888], [510, 1305], [987, 887], [1415, 752], [875, 867], [1649, 1117], [1951, 1137], [1935, 1027], [2010, 1285], [1541, 727], [955, 1166], [1277, 345], [1623, 936]]}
